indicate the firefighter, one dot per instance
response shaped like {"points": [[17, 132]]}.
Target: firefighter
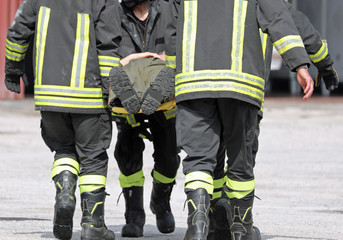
{"points": [[219, 88], [142, 50], [317, 50], [75, 44]]}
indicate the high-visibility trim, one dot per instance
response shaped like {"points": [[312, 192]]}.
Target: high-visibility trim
{"points": [[95, 206], [69, 102], [264, 40], [161, 178], [215, 86], [289, 42], [90, 188], [197, 179], [239, 16], [192, 202], [321, 54], [199, 184], [216, 194], [81, 51], [58, 169], [133, 180], [42, 29], [246, 212], [169, 114], [237, 195], [108, 61], [189, 35], [92, 180], [239, 185], [68, 91], [171, 61], [105, 71], [67, 161], [132, 120], [14, 56], [218, 183], [15, 47]]}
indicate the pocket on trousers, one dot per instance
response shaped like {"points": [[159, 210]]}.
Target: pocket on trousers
{"points": [[106, 129]]}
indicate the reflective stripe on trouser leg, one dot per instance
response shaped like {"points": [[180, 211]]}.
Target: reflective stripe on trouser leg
{"points": [[196, 180], [160, 178], [218, 188], [133, 180], [65, 164], [89, 183], [238, 189]]}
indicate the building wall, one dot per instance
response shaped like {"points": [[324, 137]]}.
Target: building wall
{"points": [[8, 9]]}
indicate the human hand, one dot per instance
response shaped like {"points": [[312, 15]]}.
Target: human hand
{"points": [[305, 82], [329, 76], [12, 82]]}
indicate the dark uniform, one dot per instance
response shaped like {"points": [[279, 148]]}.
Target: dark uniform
{"points": [[146, 36], [75, 46], [219, 90]]}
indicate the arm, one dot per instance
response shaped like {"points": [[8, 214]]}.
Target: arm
{"points": [[133, 56]]}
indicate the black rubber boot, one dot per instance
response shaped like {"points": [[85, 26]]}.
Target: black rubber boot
{"points": [[242, 223], [160, 206], [134, 212], [123, 89], [198, 211], [162, 88], [92, 222], [65, 183], [220, 220]]}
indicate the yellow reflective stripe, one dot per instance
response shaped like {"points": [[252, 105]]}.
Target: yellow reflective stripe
{"points": [[170, 113], [14, 56], [264, 39], [246, 212], [220, 74], [58, 169], [95, 206], [321, 54], [134, 180], [69, 102], [68, 91], [239, 16], [286, 43], [239, 185], [80, 51], [171, 61], [198, 175], [161, 178], [105, 71], [216, 195], [90, 188], [237, 195], [16, 47], [189, 35], [67, 161], [92, 180], [108, 61], [199, 184], [130, 118], [218, 183], [42, 29]]}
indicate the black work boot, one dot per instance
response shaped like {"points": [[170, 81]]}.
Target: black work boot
{"points": [[198, 210], [134, 212], [92, 222], [65, 183], [242, 223], [220, 220], [160, 206]]}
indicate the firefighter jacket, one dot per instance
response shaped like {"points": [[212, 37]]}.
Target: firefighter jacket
{"points": [[75, 44], [219, 52], [150, 40]]}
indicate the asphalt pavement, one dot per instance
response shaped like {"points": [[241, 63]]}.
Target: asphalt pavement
{"points": [[299, 175]]}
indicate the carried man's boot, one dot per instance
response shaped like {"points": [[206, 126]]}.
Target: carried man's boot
{"points": [[198, 211], [134, 212], [65, 183], [160, 206], [92, 222]]}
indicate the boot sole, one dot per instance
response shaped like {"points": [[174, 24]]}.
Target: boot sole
{"points": [[63, 225], [160, 89], [123, 89], [131, 230]]}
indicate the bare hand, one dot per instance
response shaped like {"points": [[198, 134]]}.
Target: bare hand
{"points": [[306, 82], [133, 56]]}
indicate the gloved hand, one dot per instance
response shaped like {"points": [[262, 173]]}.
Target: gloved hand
{"points": [[12, 82], [329, 76]]}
